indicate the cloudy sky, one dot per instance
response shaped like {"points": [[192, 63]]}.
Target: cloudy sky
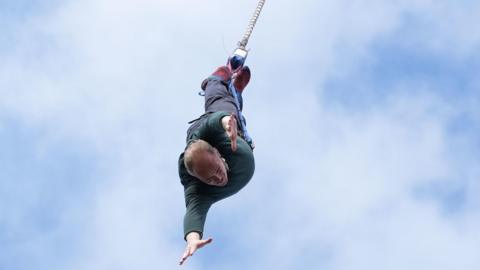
{"points": [[365, 113]]}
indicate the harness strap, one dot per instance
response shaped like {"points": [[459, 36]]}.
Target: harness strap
{"points": [[243, 124]]}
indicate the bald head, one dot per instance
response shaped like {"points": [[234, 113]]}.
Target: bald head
{"points": [[205, 163], [194, 152]]}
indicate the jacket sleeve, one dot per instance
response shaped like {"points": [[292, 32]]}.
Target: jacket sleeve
{"points": [[196, 214]]}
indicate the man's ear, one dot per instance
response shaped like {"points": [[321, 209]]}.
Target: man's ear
{"points": [[192, 172]]}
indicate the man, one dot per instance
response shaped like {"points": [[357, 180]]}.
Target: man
{"points": [[218, 161]]}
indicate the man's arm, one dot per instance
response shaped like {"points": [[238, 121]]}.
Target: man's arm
{"points": [[196, 212], [194, 220]]}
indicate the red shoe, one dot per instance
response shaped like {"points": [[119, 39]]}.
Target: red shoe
{"points": [[242, 79], [222, 73]]}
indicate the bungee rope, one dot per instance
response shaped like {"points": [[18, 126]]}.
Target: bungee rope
{"points": [[240, 54], [236, 62], [242, 44]]}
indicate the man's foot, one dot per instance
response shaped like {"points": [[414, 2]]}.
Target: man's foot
{"points": [[222, 73], [242, 79]]}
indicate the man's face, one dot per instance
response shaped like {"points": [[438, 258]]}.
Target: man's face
{"points": [[212, 169]]}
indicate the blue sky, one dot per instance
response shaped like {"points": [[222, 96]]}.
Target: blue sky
{"points": [[365, 116]]}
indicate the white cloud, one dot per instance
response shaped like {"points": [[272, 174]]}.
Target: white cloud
{"points": [[121, 77]]}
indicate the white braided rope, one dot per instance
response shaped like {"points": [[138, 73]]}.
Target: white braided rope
{"points": [[242, 44]]}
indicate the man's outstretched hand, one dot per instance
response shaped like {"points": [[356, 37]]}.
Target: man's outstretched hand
{"points": [[229, 123], [193, 243]]}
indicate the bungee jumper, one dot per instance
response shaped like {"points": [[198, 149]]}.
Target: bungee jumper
{"points": [[218, 160]]}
